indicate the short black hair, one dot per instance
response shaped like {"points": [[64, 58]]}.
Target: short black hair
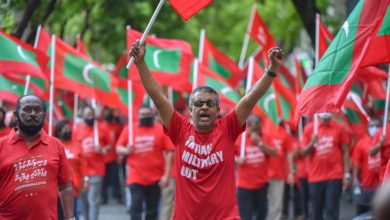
{"points": [[254, 118], [59, 126], [376, 118], [144, 106], [18, 104], [205, 89]]}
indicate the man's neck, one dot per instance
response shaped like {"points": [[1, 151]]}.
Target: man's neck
{"points": [[30, 139]]}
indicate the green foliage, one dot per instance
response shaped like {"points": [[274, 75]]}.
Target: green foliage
{"points": [[104, 23]]}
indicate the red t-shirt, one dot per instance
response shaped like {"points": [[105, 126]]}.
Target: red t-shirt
{"points": [[385, 150], [205, 183], [30, 177], [73, 154], [326, 161], [4, 131], [278, 166], [301, 162], [253, 173], [369, 166], [146, 162], [114, 130], [92, 163]]}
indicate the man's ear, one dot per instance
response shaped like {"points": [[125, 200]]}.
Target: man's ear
{"points": [[218, 109]]}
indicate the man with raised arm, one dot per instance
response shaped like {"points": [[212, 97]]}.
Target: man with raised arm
{"points": [[204, 150]]}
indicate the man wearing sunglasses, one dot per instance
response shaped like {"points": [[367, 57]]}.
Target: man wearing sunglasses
{"points": [[204, 150]]}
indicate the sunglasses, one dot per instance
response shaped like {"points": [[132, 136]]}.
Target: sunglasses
{"points": [[209, 103]]}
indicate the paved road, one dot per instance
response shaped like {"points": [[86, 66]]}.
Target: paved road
{"points": [[114, 211]]}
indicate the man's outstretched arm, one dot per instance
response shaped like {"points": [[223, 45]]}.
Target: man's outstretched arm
{"points": [[246, 104], [164, 107]]}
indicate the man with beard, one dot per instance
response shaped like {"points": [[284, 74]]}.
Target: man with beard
{"points": [[4, 130], [33, 168], [204, 150], [145, 163], [92, 163]]}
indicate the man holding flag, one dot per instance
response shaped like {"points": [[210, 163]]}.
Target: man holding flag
{"points": [[205, 149]]}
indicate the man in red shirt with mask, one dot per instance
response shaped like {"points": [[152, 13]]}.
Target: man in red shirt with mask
{"points": [[252, 171], [204, 150], [33, 168], [145, 163], [328, 165], [92, 162]]}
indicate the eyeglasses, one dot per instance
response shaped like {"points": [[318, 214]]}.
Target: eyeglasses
{"points": [[209, 103]]}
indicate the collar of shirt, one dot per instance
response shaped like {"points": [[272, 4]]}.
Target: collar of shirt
{"points": [[42, 138]]}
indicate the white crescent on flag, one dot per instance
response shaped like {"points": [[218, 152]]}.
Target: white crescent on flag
{"points": [[346, 28], [86, 70], [155, 58], [267, 100], [21, 53]]}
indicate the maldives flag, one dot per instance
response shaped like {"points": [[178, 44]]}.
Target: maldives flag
{"points": [[18, 57], [78, 73], [328, 85], [138, 96], [188, 8], [207, 77], [374, 81], [221, 64], [80, 46], [300, 76], [44, 41], [10, 90], [260, 33], [37, 86], [120, 67], [167, 59], [324, 38], [356, 114]]}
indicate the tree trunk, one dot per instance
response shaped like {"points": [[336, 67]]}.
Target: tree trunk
{"points": [[31, 6], [86, 23], [307, 10], [49, 9]]}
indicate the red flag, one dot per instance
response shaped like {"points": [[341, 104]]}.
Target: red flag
{"points": [[44, 41], [324, 39], [18, 57], [80, 46], [260, 33], [300, 75], [78, 73], [221, 64], [166, 58], [188, 8], [327, 87]]}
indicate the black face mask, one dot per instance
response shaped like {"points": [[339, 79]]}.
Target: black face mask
{"points": [[109, 117], [66, 135], [146, 121], [1, 123], [89, 121], [28, 129]]}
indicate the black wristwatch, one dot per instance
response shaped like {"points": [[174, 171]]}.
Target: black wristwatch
{"points": [[270, 73]]}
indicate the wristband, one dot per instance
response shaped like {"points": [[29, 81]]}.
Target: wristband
{"points": [[270, 73]]}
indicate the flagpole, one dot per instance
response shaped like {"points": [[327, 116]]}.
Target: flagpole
{"points": [[248, 85], [384, 130], [147, 29], [317, 57], [28, 77], [53, 48], [359, 105], [130, 110], [246, 39], [196, 73], [201, 45], [95, 126], [75, 108]]}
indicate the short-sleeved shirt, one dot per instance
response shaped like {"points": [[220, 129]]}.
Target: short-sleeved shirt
{"points": [[205, 182], [278, 166], [73, 154], [92, 163], [114, 130], [387, 172], [30, 176], [146, 162], [369, 166], [385, 150], [325, 162], [253, 173]]}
